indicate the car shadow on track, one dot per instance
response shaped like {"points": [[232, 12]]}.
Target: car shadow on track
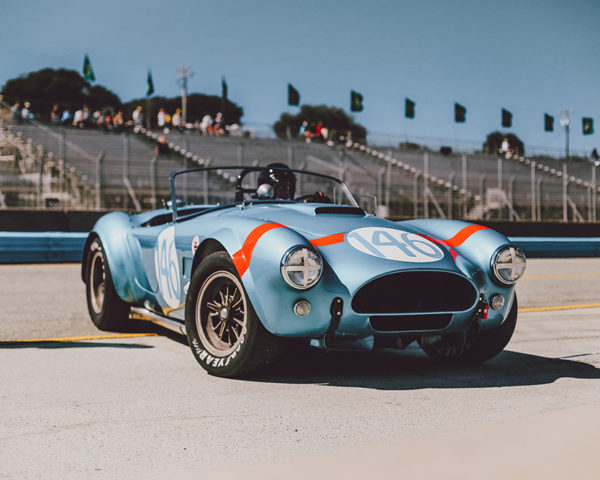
{"points": [[413, 370], [76, 344]]}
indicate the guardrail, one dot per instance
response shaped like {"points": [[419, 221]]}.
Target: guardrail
{"points": [[41, 247]]}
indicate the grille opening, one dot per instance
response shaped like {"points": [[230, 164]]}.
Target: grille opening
{"points": [[393, 323], [415, 292]]}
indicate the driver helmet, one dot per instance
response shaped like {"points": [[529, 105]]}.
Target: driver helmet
{"points": [[279, 176]]}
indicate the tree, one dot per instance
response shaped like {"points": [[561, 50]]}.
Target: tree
{"points": [[335, 119], [65, 88], [100, 98], [493, 143], [198, 105]]}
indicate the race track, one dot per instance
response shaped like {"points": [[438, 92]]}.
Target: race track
{"points": [[137, 406]]}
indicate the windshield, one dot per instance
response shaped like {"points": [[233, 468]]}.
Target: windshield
{"points": [[215, 186]]}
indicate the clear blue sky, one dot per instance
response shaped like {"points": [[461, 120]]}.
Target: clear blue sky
{"points": [[530, 57]]}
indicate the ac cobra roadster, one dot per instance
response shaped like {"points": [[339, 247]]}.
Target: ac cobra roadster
{"points": [[244, 259]]}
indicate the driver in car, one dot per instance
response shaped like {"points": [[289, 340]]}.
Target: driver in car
{"points": [[281, 179]]}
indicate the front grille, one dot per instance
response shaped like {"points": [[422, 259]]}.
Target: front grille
{"points": [[415, 292], [396, 323]]}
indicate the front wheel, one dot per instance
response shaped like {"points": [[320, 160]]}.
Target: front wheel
{"points": [[475, 348], [224, 333]]}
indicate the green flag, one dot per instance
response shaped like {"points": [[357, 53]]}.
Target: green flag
{"points": [[356, 100], [460, 113], [548, 123], [88, 72], [506, 118], [588, 125], [293, 96], [149, 84], [409, 108]]}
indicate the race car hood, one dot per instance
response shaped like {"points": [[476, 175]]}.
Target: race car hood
{"points": [[360, 247]]}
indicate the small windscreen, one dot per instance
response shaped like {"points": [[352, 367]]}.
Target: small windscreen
{"points": [[223, 186]]}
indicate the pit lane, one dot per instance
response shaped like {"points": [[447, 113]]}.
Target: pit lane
{"points": [[77, 402]]}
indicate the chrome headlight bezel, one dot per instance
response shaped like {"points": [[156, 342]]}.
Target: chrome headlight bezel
{"points": [[303, 260], [508, 264]]}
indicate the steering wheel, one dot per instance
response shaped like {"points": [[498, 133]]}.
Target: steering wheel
{"points": [[317, 197]]}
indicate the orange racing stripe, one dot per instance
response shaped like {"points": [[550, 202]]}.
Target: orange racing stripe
{"points": [[241, 258], [460, 237], [328, 240]]}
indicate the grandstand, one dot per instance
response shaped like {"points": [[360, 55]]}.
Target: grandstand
{"points": [[119, 169]]}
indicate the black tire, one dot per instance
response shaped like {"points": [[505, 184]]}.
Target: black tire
{"points": [[107, 310], [478, 348], [225, 334]]}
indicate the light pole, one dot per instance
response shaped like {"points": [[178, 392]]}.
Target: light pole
{"points": [[183, 75], [564, 122]]}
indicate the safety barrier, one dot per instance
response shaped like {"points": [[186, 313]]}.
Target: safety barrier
{"points": [[58, 247], [41, 247]]}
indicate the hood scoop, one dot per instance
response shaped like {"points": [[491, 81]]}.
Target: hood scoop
{"points": [[340, 211]]}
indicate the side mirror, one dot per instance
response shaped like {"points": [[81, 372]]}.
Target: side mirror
{"points": [[169, 203], [265, 191]]}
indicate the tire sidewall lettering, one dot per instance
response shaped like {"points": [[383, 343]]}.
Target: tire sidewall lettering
{"points": [[212, 360]]}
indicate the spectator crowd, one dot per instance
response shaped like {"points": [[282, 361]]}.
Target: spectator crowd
{"points": [[108, 119]]}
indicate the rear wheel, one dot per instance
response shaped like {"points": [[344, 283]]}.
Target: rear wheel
{"points": [[474, 348], [107, 310], [225, 334]]}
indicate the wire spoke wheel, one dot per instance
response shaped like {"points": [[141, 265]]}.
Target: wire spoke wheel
{"points": [[221, 313]]}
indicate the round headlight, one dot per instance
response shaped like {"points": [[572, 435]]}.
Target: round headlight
{"points": [[301, 267], [508, 265]]}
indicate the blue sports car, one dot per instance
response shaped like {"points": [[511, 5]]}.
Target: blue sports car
{"points": [[244, 259]]}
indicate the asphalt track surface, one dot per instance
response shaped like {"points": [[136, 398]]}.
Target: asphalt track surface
{"points": [[89, 405]]}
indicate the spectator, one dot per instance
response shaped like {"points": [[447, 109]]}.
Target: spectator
{"points": [[206, 125], [78, 118], [324, 133], [118, 120], [303, 128], [505, 146], [161, 147], [138, 116], [85, 117], [310, 132], [318, 130], [55, 115], [161, 118], [15, 112], [25, 111], [97, 118], [66, 117], [108, 120], [219, 128], [176, 120]]}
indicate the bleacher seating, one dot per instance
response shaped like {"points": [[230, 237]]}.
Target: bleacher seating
{"points": [[409, 183]]}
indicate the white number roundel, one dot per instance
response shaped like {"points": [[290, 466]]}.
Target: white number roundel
{"points": [[394, 244], [167, 267]]}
